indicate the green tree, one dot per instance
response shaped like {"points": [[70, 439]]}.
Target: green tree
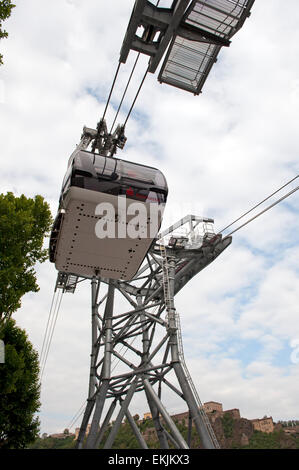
{"points": [[24, 222], [228, 425], [53, 443], [20, 390], [5, 11]]}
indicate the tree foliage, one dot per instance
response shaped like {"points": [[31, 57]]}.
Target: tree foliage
{"points": [[273, 440], [20, 391], [5, 11], [53, 443], [24, 222], [227, 424]]}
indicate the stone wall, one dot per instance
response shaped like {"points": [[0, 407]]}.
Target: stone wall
{"points": [[264, 425]]}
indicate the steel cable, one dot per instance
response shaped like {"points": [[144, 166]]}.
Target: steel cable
{"points": [[77, 415], [257, 205], [125, 92], [111, 90], [136, 96], [48, 322], [52, 328], [265, 210]]}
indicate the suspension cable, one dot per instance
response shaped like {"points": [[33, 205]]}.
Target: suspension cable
{"points": [[257, 205], [52, 328], [138, 91], [49, 328], [126, 89], [112, 87], [77, 415], [48, 322], [265, 210], [124, 94]]}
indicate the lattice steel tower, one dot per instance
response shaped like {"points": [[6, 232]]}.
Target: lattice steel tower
{"points": [[146, 340]]}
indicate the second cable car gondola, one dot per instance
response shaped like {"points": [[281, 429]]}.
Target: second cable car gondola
{"points": [[96, 230]]}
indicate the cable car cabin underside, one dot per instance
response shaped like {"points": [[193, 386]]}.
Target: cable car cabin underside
{"points": [[109, 214]]}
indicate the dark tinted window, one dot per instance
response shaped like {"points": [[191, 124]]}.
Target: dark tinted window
{"points": [[117, 177]]}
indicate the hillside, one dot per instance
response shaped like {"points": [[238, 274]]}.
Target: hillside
{"points": [[240, 434], [231, 434]]}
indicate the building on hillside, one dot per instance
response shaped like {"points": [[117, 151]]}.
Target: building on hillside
{"points": [[147, 416], [291, 430], [212, 407], [215, 410], [264, 424], [61, 435], [58, 436], [77, 430], [181, 418], [234, 413]]}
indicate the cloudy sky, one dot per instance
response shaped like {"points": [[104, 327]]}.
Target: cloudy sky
{"points": [[222, 152]]}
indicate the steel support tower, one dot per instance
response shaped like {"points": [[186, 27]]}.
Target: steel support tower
{"points": [[146, 340]]}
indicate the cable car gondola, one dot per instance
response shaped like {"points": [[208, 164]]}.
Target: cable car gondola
{"points": [[92, 182]]}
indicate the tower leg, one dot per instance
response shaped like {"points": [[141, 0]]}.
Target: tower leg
{"points": [[121, 414], [106, 369], [157, 423], [176, 434], [95, 286], [136, 431], [200, 425], [105, 424], [203, 428]]}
